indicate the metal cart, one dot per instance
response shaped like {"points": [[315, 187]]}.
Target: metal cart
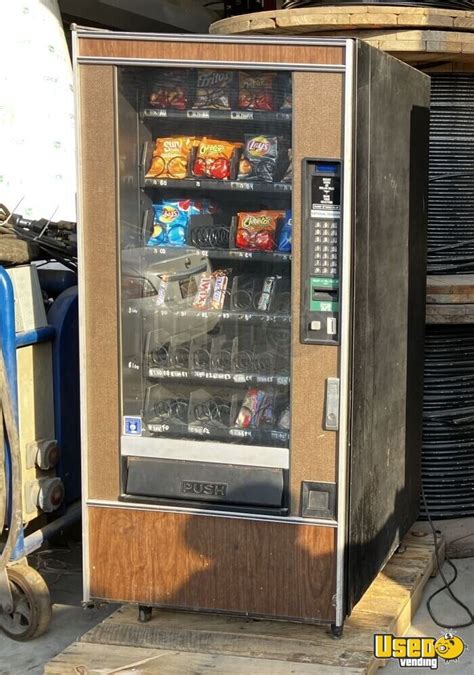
{"points": [[25, 605]]}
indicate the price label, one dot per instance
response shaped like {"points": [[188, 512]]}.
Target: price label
{"points": [[242, 433], [157, 372], [237, 185], [198, 114], [158, 428], [159, 113], [241, 115], [201, 431]]}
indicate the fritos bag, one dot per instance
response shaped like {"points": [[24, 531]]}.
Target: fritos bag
{"points": [[213, 89], [171, 157]]}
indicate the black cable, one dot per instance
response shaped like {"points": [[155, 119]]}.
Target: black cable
{"points": [[447, 584]]}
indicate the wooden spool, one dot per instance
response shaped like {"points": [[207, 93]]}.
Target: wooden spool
{"points": [[438, 39]]}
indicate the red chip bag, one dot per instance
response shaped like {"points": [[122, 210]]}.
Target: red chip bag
{"points": [[170, 90], [213, 158], [256, 91], [256, 230]]}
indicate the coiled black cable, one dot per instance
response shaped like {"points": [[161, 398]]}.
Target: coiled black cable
{"points": [[448, 422], [440, 4]]}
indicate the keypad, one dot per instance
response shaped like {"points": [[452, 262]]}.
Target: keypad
{"points": [[325, 251]]}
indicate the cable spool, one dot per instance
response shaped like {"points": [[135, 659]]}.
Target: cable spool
{"points": [[451, 191], [448, 421], [423, 4]]}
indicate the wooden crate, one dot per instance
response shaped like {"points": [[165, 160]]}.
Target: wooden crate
{"points": [[179, 642]]}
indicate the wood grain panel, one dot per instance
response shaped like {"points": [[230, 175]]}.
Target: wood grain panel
{"points": [[317, 132], [210, 563], [99, 270], [209, 51]]}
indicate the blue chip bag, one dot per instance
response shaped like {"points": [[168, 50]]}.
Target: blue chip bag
{"points": [[171, 219], [170, 222], [284, 239]]}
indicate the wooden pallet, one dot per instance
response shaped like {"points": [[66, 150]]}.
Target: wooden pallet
{"points": [[185, 643]]}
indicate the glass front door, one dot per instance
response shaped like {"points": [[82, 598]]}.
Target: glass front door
{"points": [[205, 180]]}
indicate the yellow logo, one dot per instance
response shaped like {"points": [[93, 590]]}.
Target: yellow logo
{"points": [[418, 652], [449, 647]]}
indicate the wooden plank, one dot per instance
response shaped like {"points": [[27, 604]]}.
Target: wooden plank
{"points": [[16, 251], [228, 635], [449, 314], [96, 659], [450, 289]]}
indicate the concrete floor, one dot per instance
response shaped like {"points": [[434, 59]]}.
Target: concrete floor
{"points": [[61, 569]]}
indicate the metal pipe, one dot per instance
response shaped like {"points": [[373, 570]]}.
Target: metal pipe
{"points": [[33, 541], [8, 336], [32, 337]]}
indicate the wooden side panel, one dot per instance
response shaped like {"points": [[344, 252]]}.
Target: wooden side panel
{"points": [[207, 563], [209, 51], [99, 270], [317, 132]]}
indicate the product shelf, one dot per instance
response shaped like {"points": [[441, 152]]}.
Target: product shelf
{"points": [[270, 437], [224, 254], [211, 184], [227, 315], [220, 115], [208, 377]]}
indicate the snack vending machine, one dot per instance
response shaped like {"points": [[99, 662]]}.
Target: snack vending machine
{"points": [[252, 264]]}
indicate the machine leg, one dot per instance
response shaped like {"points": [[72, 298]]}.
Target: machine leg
{"points": [[144, 613], [336, 631]]}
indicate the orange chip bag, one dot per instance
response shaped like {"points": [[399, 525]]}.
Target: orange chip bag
{"points": [[171, 157], [213, 159]]}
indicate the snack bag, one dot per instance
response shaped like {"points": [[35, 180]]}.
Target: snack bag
{"points": [[259, 161], [256, 409], [213, 158], [170, 222], [170, 90], [287, 104], [284, 238], [288, 176], [213, 89], [256, 230], [256, 91], [171, 157]]}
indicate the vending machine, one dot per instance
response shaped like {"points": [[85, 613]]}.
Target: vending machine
{"points": [[252, 261]]}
